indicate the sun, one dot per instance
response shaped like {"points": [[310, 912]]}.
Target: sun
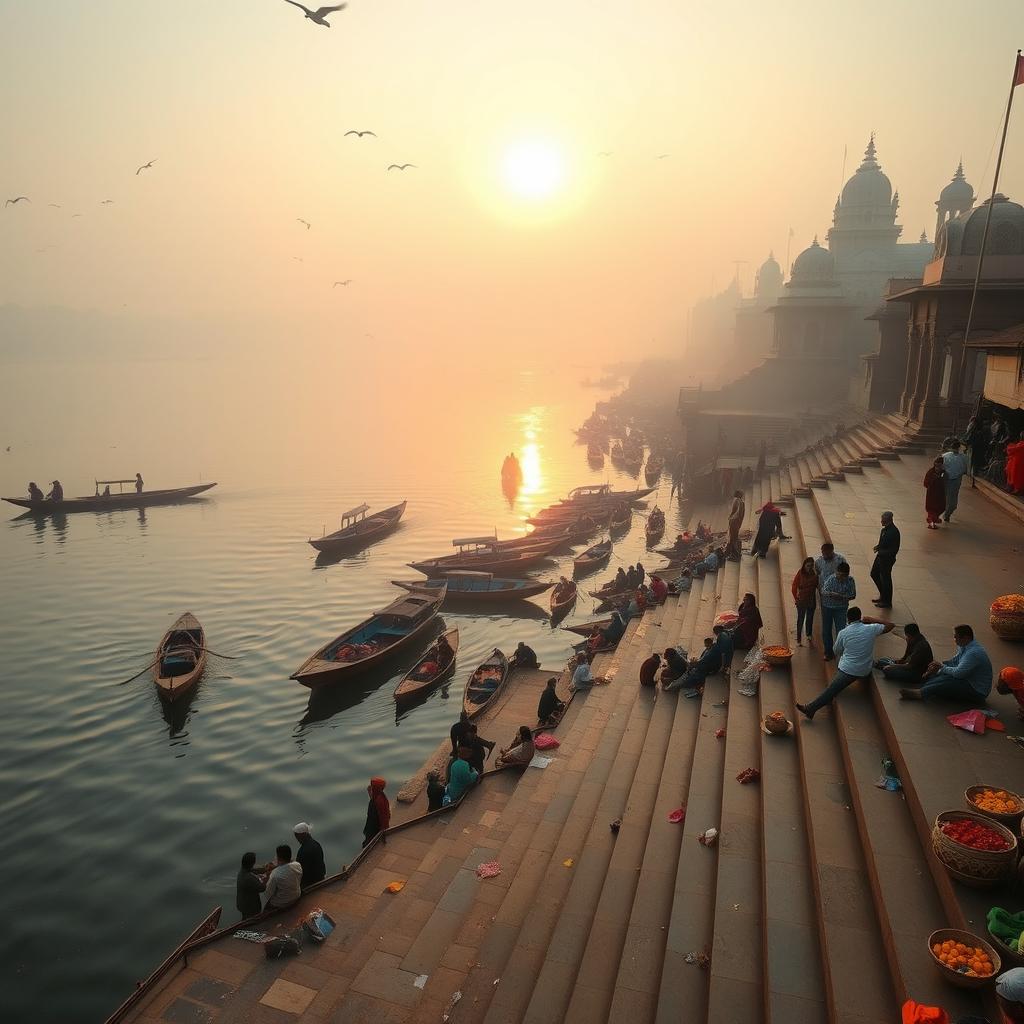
{"points": [[534, 169]]}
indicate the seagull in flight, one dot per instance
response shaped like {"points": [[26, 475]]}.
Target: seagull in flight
{"points": [[56, 206], [17, 199], [319, 16], [663, 156], [74, 215], [347, 281], [362, 133], [298, 259], [306, 222], [106, 202], [144, 167], [399, 167], [605, 152]]}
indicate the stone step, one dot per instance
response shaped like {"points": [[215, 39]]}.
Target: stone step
{"points": [[848, 929], [794, 990], [1011, 504], [692, 915]]}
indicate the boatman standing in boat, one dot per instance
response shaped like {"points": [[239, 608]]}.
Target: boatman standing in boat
{"points": [[138, 483], [56, 492]]}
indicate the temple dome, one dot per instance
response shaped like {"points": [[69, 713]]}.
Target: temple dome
{"points": [[869, 186], [814, 264], [962, 235], [958, 192], [769, 277]]}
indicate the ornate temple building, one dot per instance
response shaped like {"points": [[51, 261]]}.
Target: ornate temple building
{"points": [[865, 321]]}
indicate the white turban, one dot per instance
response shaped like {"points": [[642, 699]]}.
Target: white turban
{"points": [[303, 829]]}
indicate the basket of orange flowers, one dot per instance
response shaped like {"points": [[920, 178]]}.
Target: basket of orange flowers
{"points": [[1002, 805], [962, 958], [777, 656], [1006, 617]]}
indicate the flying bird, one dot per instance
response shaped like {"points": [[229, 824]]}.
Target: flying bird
{"points": [[106, 202], [399, 167], [74, 215], [56, 206], [347, 281], [306, 222], [298, 259], [144, 167], [18, 199], [362, 133], [605, 152], [662, 156], [319, 16]]}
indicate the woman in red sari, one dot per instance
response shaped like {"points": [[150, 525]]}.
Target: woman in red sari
{"points": [[935, 493], [1015, 466], [748, 623]]}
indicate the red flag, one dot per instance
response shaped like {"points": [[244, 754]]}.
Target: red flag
{"points": [[1018, 75]]}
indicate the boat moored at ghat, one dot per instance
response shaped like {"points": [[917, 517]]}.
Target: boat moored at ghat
{"points": [[358, 529], [366, 645]]}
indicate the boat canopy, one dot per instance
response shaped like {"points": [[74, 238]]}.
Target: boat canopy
{"points": [[463, 542], [353, 512], [590, 491], [456, 573]]}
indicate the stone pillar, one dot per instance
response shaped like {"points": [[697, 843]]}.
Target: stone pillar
{"points": [[921, 374], [931, 400], [910, 377]]}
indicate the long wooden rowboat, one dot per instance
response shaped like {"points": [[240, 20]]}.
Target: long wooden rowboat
{"points": [[422, 677], [560, 607], [357, 528], [364, 646], [611, 596], [587, 628], [485, 684], [477, 587], [497, 562], [603, 492], [181, 658], [621, 522], [592, 557], [655, 528], [103, 503]]}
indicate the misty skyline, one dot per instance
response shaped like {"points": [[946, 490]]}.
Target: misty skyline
{"points": [[244, 107]]}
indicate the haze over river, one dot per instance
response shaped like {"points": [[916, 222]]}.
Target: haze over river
{"points": [[124, 823]]}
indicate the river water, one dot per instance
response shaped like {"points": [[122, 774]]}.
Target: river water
{"points": [[123, 822]]}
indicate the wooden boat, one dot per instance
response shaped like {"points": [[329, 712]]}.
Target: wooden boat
{"points": [[560, 607], [358, 529], [603, 492], [621, 520], [592, 557], [497, 562], [485, 684], [587, 628], [364, 646], [416, 681], [653, 469], [181, 658], [612, 596], [655, 528], [107, 502], [477, 587], [475, 545]]}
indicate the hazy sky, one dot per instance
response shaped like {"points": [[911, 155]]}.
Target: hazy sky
{"points": [[243, 105]]}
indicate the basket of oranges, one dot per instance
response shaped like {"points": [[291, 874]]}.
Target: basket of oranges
{"points": [[1006, 617], [777, 655], [962, 958], [1001, 805]]}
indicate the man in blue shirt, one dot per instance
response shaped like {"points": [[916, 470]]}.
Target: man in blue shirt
{"points": [[837, 591], [726, 644], [955, 464], [967, 676], [855, 646]]}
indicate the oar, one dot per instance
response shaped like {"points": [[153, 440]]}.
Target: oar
{"points": [[137, 674], [229, 657]]}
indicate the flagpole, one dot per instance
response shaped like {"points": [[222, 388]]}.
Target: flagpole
{"points": [[988, 219]]}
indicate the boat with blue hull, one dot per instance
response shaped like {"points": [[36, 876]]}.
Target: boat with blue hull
{"points": [[478, 587]]}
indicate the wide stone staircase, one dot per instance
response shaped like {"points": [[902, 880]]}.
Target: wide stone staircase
{"points": [[816, 903]]}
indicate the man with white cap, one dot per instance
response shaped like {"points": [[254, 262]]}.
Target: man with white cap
{"points": [[310, 855], [1010, 993]]}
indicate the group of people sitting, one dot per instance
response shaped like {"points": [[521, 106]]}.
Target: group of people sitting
{"points": [[35, 492], [681, 672], [628, 579], [281, 881]]}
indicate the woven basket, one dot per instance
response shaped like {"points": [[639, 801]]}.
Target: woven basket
{"points": [[954, 977], [1011, 821], [1006, 618], [1011, 958], [777, 660], [978, 868]]}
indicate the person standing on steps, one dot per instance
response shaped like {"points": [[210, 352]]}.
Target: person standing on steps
{"points": [[310, 855], [855, 646], [805, 594], [737, 512], [827, 562], [836, 594], [886, 550], [955, 463]]}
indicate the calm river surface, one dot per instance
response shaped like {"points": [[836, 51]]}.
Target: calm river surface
{"points": [[123, 824]]}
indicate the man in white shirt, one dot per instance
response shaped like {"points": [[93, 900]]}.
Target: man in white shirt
{"points": [[284, 886], [582, 677], [827, 562], [855, 646], [955, 463]]}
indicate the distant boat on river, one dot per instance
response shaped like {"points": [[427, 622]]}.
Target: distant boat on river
{"points": [[105, 502], [358, 529], [468, 587]]}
